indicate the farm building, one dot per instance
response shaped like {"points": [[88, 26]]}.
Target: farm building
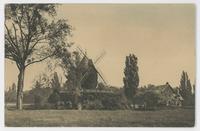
{"points": [[162, 95], [169, 96]]}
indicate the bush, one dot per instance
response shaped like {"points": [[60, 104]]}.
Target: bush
{"points": [[189, 101], [54, 98], [37, 101], [93, 105], [108, 101], [115, 101], [10, 96], [111, 102], [151, 99], [147, 100]]}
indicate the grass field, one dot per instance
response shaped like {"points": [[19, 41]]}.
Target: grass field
{"points": [[94, 118]]}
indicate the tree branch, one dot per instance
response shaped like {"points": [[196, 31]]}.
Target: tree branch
{"points": [[23, 36], [10, 57], [39, 60], [13, 58], [16, 41], [14, 46]]}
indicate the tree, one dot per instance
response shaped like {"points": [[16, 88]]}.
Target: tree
{"points": [[55, 83], [194, 89], [38, 84], [131, 79], [42, 81], [185, 87], [14, 87], [39, 94], [151, 99], [10, 95], [70, 63], [32, 35], [193, 96], [54, 98]]}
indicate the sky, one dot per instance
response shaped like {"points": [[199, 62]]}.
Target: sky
{"points": [[161, 36]]}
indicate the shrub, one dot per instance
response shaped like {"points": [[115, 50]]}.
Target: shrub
{"points": [[149, 99], [54, 98], [93, 105], [110, 103], [37, 101], [189, 101]]}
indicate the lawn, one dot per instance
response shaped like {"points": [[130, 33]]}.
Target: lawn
{"points": [[95, 118]]}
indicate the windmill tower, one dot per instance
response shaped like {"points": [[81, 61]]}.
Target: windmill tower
{"points": [[89, 72]]}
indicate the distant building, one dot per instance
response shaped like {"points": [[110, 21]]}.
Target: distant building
{"points": [[167, 96]]}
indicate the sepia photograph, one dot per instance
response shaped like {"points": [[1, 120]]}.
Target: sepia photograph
{"points": [[99, 65]]}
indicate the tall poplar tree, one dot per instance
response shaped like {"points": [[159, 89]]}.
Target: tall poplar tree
{"points": [[185, 87], [131, 78]]}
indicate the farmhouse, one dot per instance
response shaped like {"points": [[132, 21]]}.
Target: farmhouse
{"points": [[168, 95], [163, 95]]}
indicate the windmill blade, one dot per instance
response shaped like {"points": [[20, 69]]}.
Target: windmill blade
{"points": [[81, 54], [84, 54], [100, 57], [102, 78], [99, 72], [85, 74]]}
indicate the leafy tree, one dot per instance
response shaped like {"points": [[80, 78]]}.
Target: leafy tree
{"points": [[193, 89], [151, 99], [55, 83], [70, 61], [10, 95], [54, 98], [42, 81], [185, 87], [39, 93], [32, 35], [131, 79], [193, 96], [14, 87], [38, 84], [70, 64], [76, 97]]}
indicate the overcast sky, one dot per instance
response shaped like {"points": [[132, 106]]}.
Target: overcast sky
{"points": [[161, 36]]}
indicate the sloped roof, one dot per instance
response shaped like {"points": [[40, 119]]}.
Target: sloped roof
{"points": [[86, 63], [160, 88]]}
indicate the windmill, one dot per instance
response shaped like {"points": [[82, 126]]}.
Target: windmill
{"points": [[84, 84], [85, 78]]}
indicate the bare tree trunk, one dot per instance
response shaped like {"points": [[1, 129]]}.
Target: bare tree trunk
{"points": [[20, 86]]}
